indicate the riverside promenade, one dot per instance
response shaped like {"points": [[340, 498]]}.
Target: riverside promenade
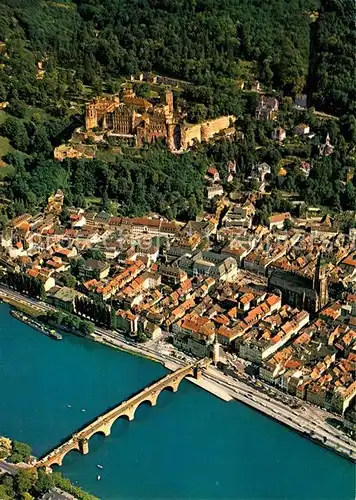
{"points": [[306, 420]]}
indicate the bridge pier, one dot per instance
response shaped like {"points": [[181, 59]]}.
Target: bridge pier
{"points": [[153, 399], [83, 446], [197, 372]]}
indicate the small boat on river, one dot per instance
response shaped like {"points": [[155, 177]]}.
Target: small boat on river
{"points": [[37, 325]]}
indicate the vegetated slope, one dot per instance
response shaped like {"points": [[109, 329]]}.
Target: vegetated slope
{"points": [[156, 180], [333, 59], [198, 40], [202, 39]]}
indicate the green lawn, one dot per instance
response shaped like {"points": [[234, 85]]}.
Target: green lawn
{"points": [[288, 160], [4, 146], [32, 111], [107, 156], [3, 116], [92, 200], [6, 170], [28, 309]]}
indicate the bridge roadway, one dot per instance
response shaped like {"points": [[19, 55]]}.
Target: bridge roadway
{"points": [[103, 423]]}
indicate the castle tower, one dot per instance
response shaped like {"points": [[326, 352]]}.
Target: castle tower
{"points": [[91, 116], [183, 137], [171, 128], [169, 101], [205, 132]]}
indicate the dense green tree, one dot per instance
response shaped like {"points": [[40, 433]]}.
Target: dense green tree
{"points": [[4, 495], [17, 108], [20, 452], [24, 480], [25, 284], [68, 279], [141, 337], [350, 197], [43, 484], [86, 328], [28, 484], [8, 482], [94, 253], [332, 80], [197, 113], [199, 41], [142, 89], [14, 128], [210, 43]]}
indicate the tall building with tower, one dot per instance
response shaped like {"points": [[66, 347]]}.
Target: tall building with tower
{"points": [[304, 291]]}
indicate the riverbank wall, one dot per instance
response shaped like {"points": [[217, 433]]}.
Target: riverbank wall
{"points": [[287, 422]]}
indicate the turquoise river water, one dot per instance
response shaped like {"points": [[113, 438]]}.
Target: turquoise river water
{"points": [[190, 446]]}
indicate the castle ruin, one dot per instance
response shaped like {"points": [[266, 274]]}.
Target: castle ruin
{"points": [[137, 118]]}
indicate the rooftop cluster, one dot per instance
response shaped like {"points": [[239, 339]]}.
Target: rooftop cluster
{"points": [[275, 296]]}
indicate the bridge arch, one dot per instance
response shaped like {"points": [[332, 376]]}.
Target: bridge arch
{"points": [[151, 401], [129, 415], [104, 432], [58, 460], [108, 426]]}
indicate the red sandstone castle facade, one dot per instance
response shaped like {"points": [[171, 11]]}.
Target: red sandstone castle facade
{"points": [[137, 118]]}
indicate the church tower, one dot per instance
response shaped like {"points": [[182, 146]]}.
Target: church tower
{"points": [[320, 284]]}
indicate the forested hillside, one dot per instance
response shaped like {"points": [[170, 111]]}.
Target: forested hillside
{"points": [[332, 79], [198, 40], [155, 180], [203, 41], [86, 46]]}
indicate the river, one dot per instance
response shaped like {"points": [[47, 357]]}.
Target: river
{"points": [[190, 446]]}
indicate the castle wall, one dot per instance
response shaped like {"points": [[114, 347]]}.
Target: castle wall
{"points": [[191, 134], [212, 127], [204, 131], [97, 109]]}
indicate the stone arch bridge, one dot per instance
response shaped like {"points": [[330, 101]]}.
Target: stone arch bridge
{"points": [[103, 424]]}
